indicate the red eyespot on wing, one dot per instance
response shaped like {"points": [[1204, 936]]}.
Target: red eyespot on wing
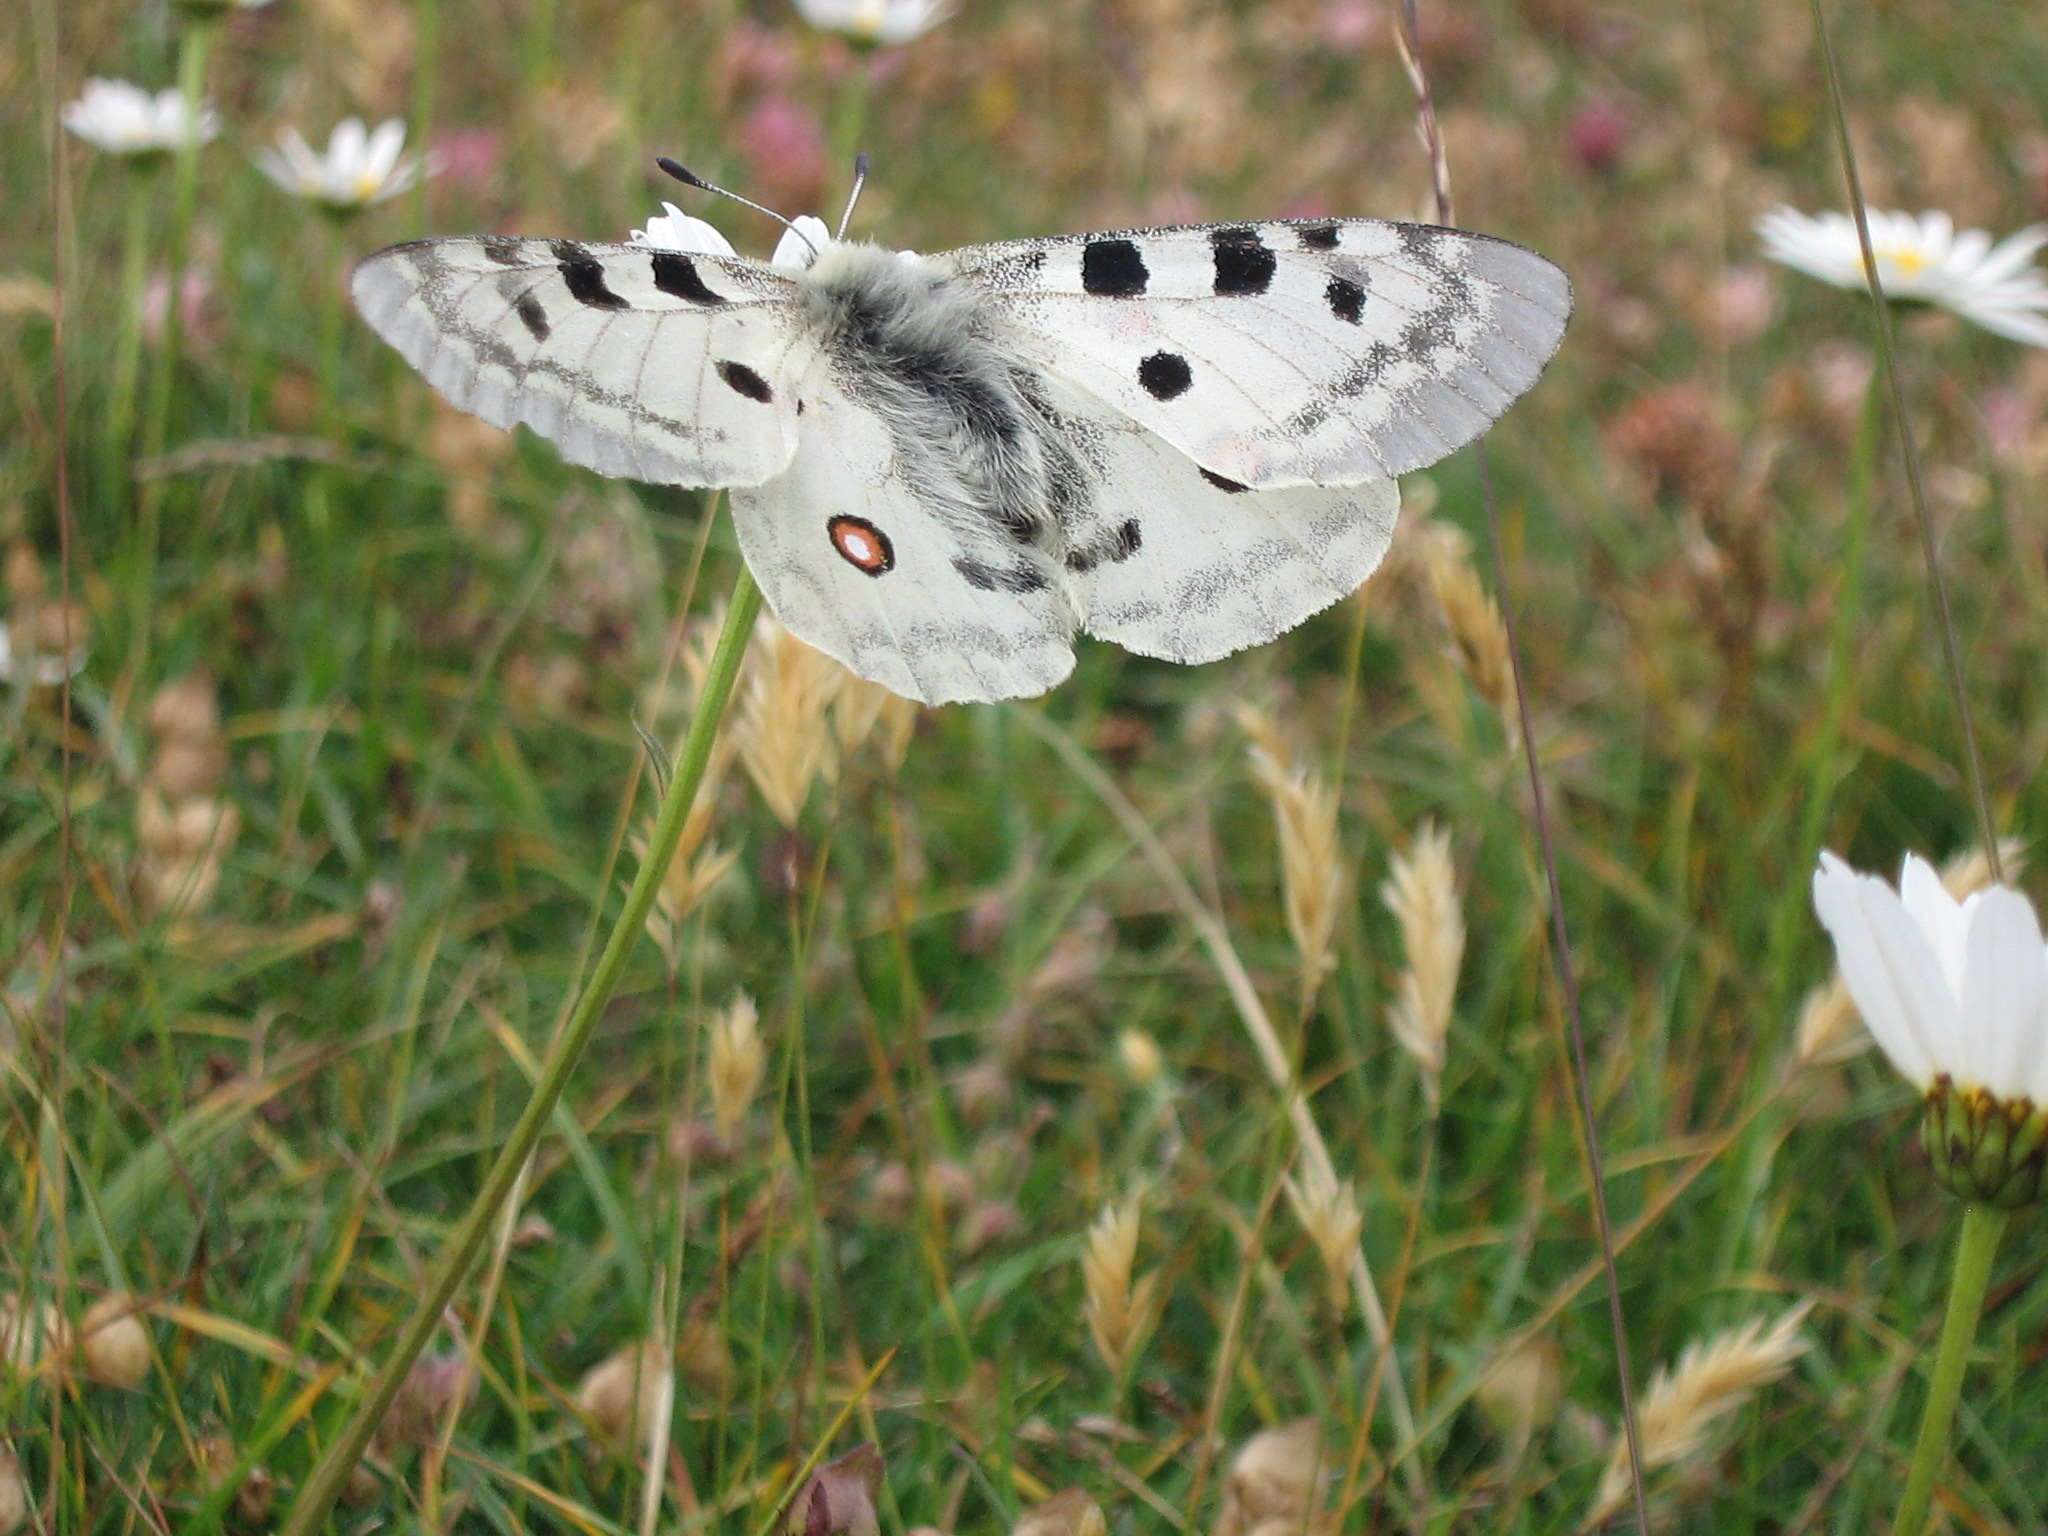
{"points": [[861, 544]]}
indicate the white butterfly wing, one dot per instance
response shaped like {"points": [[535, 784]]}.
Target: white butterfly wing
{"points": [[1178, 562], [662, 366], [1304, 352], [866, 565]]}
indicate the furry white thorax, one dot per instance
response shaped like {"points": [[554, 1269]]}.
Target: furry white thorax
{"points": [[974, 437]]}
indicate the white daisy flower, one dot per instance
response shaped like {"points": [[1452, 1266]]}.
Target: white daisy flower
{"points": [[883, 22], [1956, 992], [124, 119], [674, 230], [802, 243], [359, 168], [1923, 260]]}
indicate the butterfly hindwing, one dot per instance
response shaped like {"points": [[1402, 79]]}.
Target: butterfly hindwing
{"points": [[1288, 353], [664, 366], [857, 558], [1175, 561]]}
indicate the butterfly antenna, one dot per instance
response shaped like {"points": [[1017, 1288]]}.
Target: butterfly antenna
{"points": [[690, 178], [860, 179]]}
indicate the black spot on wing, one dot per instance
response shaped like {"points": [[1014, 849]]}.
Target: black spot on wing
{"points": [[676, 275], [504, 252], [744, 381], [584, 274], [1020, 579], [1223, 484], [1113, 268], [1165, 375], [1346, 299], [1243, 263], [1114, 547], [1317, 237], [535, 319]]}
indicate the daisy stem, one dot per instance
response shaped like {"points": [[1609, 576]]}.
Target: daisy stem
{"points": [[1976, 1246], [850, 110], [328, 274], [194, 42], [309, 1514], [128, 342], [1973, 759]]}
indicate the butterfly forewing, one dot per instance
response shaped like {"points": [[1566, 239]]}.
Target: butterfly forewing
{"points": [[663, 366], [1312, 352]]}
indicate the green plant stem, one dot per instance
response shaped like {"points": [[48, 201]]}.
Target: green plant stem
{"points": [[1976, 1247], [325, 1484], [1887, 362], [331, 304], [850, 110], [120, 422], [195, 42]]}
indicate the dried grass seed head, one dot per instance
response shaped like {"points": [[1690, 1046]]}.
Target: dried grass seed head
{"points": [[1478, 637], [738, 1061], [1279, 1475], [620, 1395], [1328, 1212], [114, 1344], [1311, 857], [839, 1499], [1684, 1402], [13, 1492], [783, 729], [1070, 1512], [1421, 890], [1523, 1390], [33, 1334], [1118, 1308], [436, 1384]]}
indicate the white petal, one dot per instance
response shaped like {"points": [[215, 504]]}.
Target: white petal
{"points": [[347, 144], [1967, 254], [802, 242], [2013, 253], [674, 230], [384, 148], [2005, 1008], [2015, 325], [280, 170], [1837, 899], [1940, 917], [1937, 233]]}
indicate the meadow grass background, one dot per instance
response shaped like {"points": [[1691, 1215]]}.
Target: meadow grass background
{"points": [[253, 1081]]}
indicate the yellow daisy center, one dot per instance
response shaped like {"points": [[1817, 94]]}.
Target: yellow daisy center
{"points": [[1904, 261]]}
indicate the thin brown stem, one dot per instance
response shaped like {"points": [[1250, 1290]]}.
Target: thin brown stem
{"points": [[1937, 585], [1567, 975]]}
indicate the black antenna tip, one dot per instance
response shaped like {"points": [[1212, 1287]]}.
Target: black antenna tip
{"points": [[860, 164], [682, 173]]}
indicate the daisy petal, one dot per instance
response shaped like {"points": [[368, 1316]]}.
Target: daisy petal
{"points": [[1839, 902], [2006, 1000]]}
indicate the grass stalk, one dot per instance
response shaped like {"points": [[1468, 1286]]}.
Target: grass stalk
{"points": [[325, 1484], [127, 375], [1976, 1247], [195, 44], [1409, 39], [1887, 361], [1315, 1152]]}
